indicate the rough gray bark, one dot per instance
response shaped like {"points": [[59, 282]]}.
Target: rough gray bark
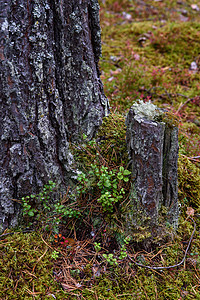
{"points": [[50, 92], [153, 149]]}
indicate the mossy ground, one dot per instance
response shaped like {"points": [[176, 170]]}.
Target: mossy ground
{"points": [[26, 268], [148, 55], [148, 47], [27, 272]]}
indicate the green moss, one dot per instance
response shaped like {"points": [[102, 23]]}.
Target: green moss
{"points": [[189, 139], [26, 267], [189, 182], [112, 136], [158, 68], [108, 147]]}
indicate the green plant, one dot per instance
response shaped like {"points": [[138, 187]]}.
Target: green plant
{"points": [[45, 210], [65, 211], [97, 246], [28, 210], [110, 259], [122, 174], [55, 254], [29, 202], [123, 251], [108, 182]]}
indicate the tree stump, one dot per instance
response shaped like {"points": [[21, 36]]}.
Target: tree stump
{"points": [[152, 142]]}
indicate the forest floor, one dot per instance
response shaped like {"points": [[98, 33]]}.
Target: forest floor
{"points": [[150, 51]]}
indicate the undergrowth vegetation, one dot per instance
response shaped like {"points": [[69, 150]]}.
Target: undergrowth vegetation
{"points": [[76, 246]]}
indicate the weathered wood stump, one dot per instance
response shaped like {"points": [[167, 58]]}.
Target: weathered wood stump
{"points": [[152, 141]]}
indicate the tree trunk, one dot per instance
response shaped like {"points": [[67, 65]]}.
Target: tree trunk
{"points": [[152, 141], [50, 92]]}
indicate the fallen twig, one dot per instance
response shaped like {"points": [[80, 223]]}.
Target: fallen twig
{"points": [[169, 95], [182, 105], [194, 158], [14, 232]]}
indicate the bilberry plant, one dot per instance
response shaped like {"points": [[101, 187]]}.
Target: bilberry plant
{"points": [[43, 209], [108, 182]]}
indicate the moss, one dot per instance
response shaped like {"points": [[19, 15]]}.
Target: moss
{"points": [[26, 267], [109, 146], [189, 182], [158, 66], [189, 139], [112, 135]]}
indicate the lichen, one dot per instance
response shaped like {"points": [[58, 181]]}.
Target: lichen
{"points": [[146, 109]]}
